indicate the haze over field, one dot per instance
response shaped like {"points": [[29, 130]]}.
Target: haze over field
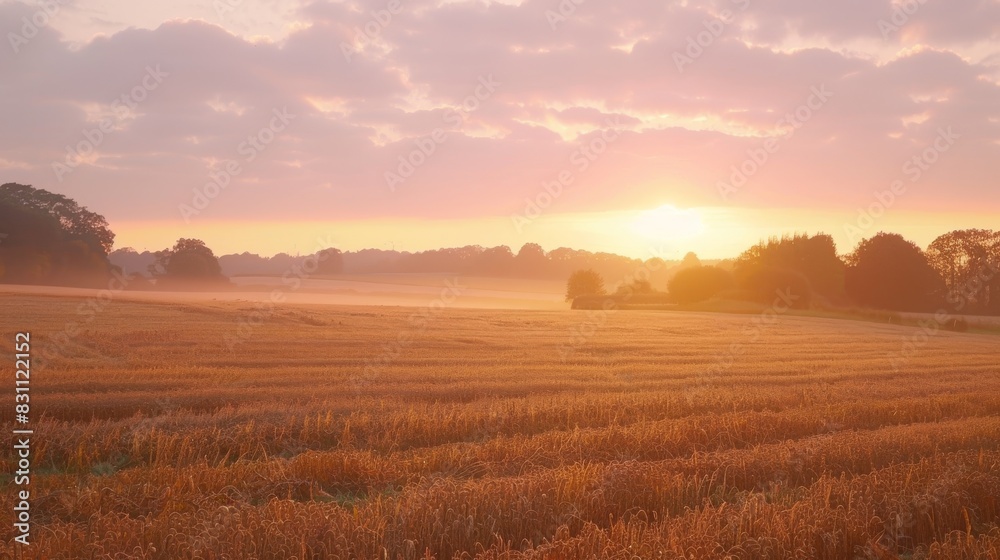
{"points": [[385, 290]]}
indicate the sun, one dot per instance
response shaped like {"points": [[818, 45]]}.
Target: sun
{"points": [[668, 222]]}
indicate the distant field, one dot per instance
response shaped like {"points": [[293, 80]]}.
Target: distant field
{"points": [[212, 429], [409, 290], [414, 289]]}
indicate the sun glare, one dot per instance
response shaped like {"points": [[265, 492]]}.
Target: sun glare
{"points": [[668, 222]]}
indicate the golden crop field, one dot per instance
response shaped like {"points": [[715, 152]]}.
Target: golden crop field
{"points": [[479, 435]]}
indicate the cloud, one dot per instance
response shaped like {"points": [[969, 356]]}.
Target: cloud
{"points": [[682, 131]]}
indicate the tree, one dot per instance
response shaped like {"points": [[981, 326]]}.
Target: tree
{"points": [[190, 260], [531, 260], [814, 257], [699, 283], [31, 241], [330, 261], [889, 272], [75, 220], [495, 261], [46, 238], [969, 263], [584, 283], [691, 260], [765, 284]]}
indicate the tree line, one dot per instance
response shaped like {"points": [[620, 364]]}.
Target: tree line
{"points": [[49, 239], [531, 261], [959, 270]]}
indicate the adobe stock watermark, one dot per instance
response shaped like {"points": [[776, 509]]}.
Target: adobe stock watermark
{"points": [[418, 322], [714, 28], [913, 169], [902, 11], [959, 298], [372, 30], [582, 158], [427, 146], [249, 149], [123, 107], [31, 25], [757, 158], [564, 10]]}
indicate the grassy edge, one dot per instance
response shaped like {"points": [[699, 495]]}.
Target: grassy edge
{"points": [[867, 316]]}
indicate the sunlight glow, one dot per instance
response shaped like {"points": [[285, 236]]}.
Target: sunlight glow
{"points": [[668, 222]]}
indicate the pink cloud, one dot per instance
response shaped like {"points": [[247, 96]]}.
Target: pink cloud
{"points": [[354, 119]]}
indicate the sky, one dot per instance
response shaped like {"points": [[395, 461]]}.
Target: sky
{"points": [[641, 127]]}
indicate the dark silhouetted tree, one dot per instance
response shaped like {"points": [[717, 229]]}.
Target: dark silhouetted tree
{"points": [[47, 238], [584, 283], [699, 283], [78, 222], [889, 272], [190, 260]]}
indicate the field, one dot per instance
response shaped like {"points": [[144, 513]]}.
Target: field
{"points": [[371, 289], [214, 430]]}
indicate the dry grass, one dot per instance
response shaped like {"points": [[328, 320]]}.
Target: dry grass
{"points": [[478, 441]]}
